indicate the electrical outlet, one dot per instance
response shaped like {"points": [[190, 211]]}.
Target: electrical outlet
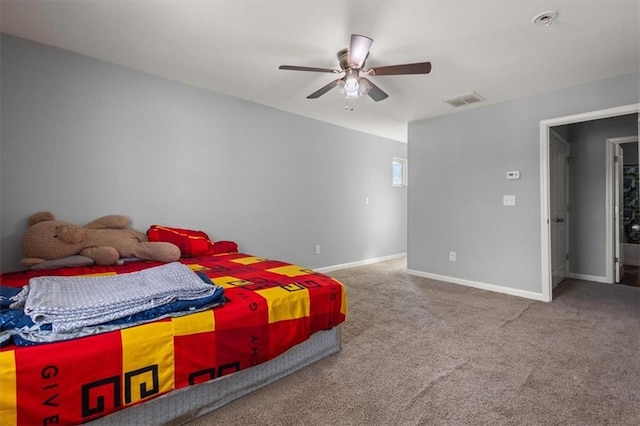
{"points": [[317, 249], [452, 256]]}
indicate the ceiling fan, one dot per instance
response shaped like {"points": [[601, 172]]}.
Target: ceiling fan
{"points": [[354, 83]]}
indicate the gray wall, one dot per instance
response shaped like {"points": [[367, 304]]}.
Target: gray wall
{"points": [[587, 188], [458, 177], [84, 138]]}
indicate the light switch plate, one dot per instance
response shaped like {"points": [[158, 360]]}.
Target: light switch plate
{"points": [[513, 174], [508, 200]]}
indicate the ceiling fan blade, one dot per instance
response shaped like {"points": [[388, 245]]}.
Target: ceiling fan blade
{"points": [[324, 89], [418, 68], [359, 49], [297, 68], [376, 93]]}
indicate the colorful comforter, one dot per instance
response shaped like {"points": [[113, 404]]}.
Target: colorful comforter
{"points": [[271, 306]]}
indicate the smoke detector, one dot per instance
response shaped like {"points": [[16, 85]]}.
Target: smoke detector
{"points": [[466, 99], [545, 18]]}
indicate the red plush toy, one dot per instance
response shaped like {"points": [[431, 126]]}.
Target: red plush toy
{"points": [[191, 243]]}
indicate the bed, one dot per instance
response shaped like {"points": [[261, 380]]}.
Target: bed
{"points": [[277, 318]]}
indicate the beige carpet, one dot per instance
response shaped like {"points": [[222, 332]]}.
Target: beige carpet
{"points": [[422, 352]]}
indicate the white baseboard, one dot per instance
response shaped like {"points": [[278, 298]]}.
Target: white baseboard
{"points": [[584, 277], [358, 263], [480, 285]]}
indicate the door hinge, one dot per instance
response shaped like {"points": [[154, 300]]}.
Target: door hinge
{"points": [[617, 260], [568, 160], [567, 256], [616, 159]]}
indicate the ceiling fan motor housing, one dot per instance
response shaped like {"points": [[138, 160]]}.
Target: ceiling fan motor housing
{"points": [[343, 58]]}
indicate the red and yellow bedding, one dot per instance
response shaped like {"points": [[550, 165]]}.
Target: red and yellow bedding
{"points": [[271, 307]]}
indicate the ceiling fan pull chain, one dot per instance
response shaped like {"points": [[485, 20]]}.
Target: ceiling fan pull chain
{"points": [[348, 104]]}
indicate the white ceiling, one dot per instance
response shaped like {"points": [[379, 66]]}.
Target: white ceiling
{"points": [[235, 48]]}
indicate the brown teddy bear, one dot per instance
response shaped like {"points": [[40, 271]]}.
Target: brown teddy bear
{"points": [[105, 240]]}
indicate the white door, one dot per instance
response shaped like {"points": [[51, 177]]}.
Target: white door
{"points": [[559, 206], [618, 211]]}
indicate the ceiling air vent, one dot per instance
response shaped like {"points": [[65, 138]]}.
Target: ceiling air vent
{"points": [[467, 98]]}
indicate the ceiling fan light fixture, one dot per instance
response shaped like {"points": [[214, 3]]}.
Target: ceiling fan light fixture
{"points": [[351, 84], [351, 81]]}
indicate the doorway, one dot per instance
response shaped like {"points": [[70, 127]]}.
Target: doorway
{"points": [[623, 248], [631, 206], [545, 184]]}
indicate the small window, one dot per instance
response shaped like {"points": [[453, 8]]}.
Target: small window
{"points": [[399, 172]]}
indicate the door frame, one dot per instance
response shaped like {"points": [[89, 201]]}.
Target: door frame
{"points": [[545, 237], [609, 200]]}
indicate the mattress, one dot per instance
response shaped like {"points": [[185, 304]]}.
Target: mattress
{"points": [[189, 403], [272, 308]]}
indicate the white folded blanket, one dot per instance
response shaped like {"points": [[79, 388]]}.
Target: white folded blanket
{"points": [[70, 303]]}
